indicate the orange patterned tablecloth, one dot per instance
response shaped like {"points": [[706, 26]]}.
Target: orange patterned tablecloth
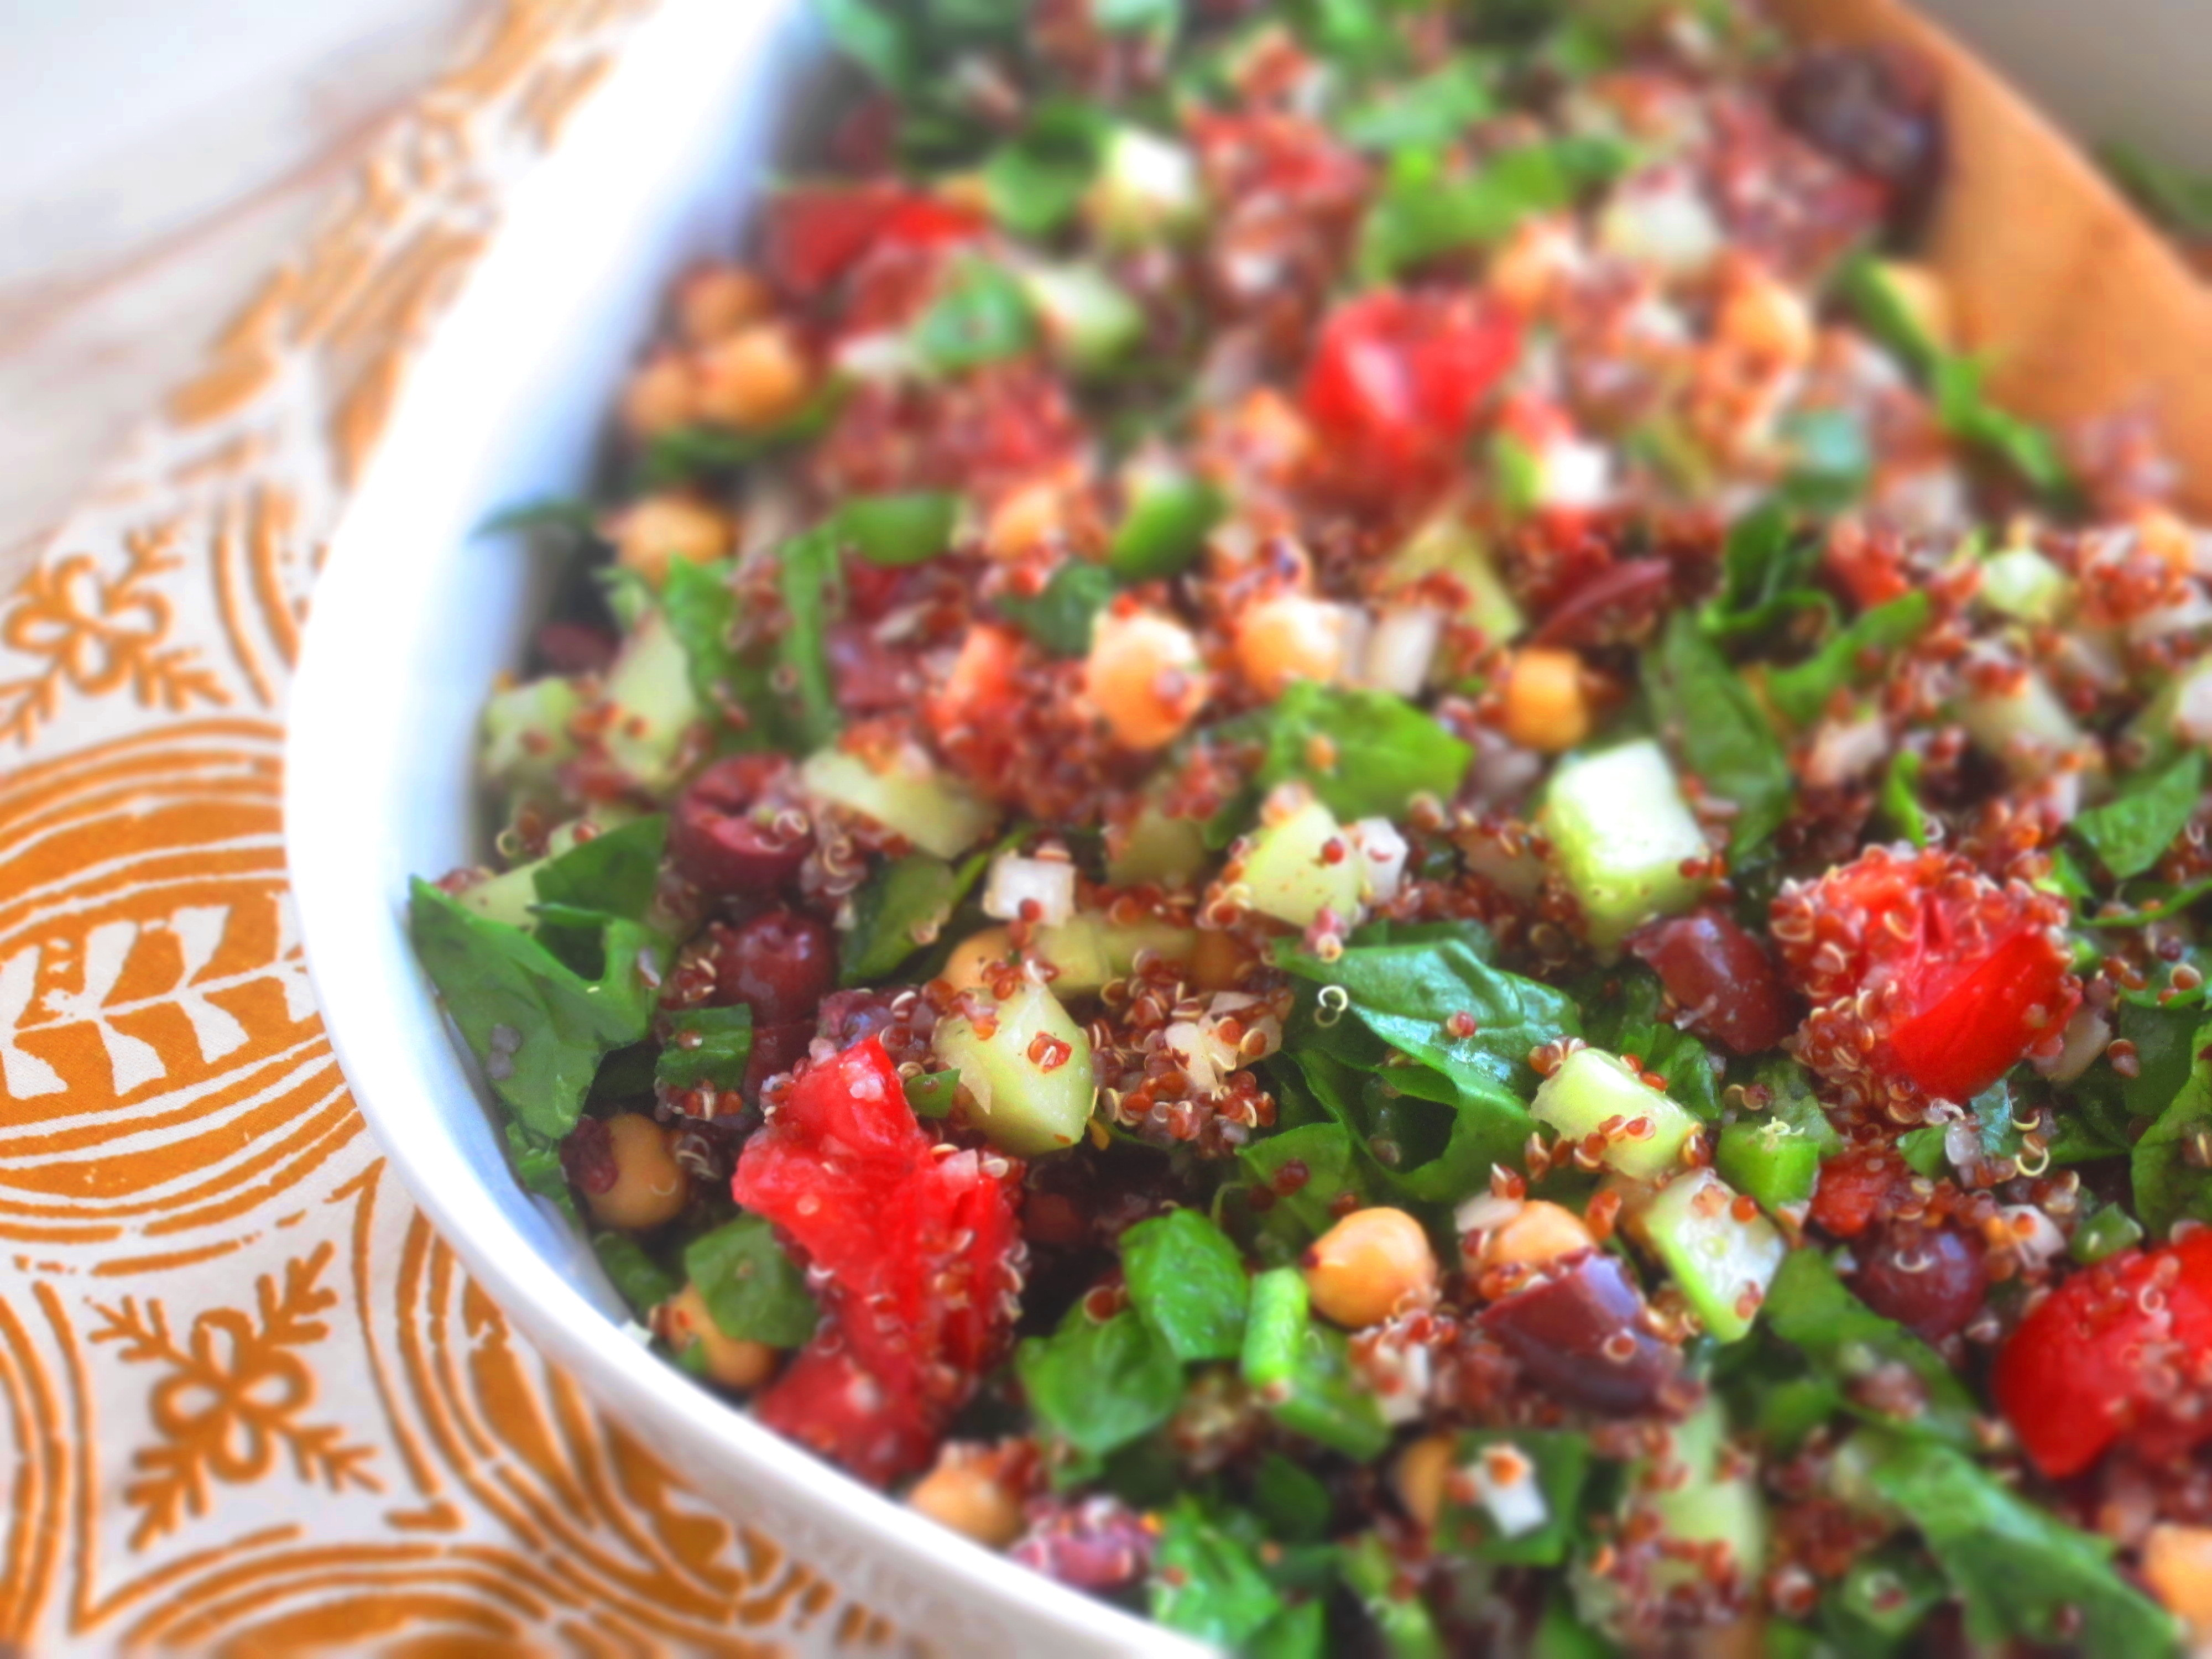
{"points": [[254, 1405]]}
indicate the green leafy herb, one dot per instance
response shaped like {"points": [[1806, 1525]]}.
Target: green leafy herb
{"points": [[1421, 212], [2130, 833], [1801, 691], [1364, 753], [1901, 796], [2167, 1185], [1302, 1371], [701, 607], [1165, 528], [1060, 618], [1766, 569], [1807, 1307], [612, 876], [880, 40], [1331, 1169], [1427, 114], [642, 1281], [812, 585], [706, 1046], [1098, 1385], [1704, 709], [1187, 1279], [1392, 1604], [692, 454], [900, 529], [754, 1291], [1206, 1583], [900, 909], [2019, 1571], [980, 316], [537, 1169], [1294, 1505], [1035, 183], [537, 1027], [568, 515]]}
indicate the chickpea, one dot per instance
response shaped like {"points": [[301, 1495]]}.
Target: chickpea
{"points": [[2160, 533], [965, 969], [1546, 708], [1371, 1265], [1421, 1475], [964, 1491], [1765, 319], [2178, 1566], [1146, 677], [650, 533], [1540, 1234], [1290, 637], [662, 395], [1269, 432], [1029, 519], [650, 1185], [754, 378], [733, 1362], [716, 302]]}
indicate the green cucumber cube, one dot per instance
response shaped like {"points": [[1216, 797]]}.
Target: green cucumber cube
{"points": [[1775, 1160], [1723, 1263], [2021, 728], [1031, 1097], [525, 734], [1089, 321], [1695, 1502], [1445, 544], [1146, 190], [2021, 583], [653, 707], [1155, 848], [1289, 875], [1592, 1090], [509, 898], [911, 797], [1622, 833]]}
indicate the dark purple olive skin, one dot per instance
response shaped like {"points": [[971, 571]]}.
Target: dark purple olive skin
{"points": [[775, 1048], [780, 965], [1875, 111], [1558, 1329], [1929, 1279], [719, 845], [1722, 976]]}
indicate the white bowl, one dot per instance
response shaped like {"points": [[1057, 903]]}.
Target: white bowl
{"points": [[412, 619]]}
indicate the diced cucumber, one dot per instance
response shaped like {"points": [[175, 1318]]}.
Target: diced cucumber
{"points": [[1146, 189], [1622, 832], [1288, 875], [1446, 545], [1693, 1502], [2021, 583], [1723, 1264], [1169, 515], [1302, 1371], [1085, 951], [525, 734], [507, 896], [1089, 321], [648, 691], [1776, 1159], [2022, 729], [1028, 1104], [1154, 847], [1591, 1089], [910, 797]]}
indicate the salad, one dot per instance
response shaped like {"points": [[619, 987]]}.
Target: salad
{"points": [[1320, 827]]}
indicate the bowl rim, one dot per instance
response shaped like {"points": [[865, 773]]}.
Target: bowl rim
{"points": [[905, 1564]]}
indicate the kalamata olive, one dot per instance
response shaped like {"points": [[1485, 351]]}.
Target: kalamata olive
{"points": [[781, 965], [723, 841], [1928, 1280], [570, 647], [1578, 1334], [1097, 1544], [1721, 977], [775, 1048], [588, 1156], [904, 1022], [1874, 110]]}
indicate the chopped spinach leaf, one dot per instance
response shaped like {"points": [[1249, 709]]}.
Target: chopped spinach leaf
{"points": [[1060, 618], [706, 1046], [1710, 717], [1801, 691], [1100, 1384], [1165, 527], [900, 909], [2168, 1184], [641, 1280], [1766, 575], [1422, 212], [1808, 1306], [1207, 1583], [1427, 114], [1035, 182], [701, 611], [980, 316], [1364, 753], [1302, 1371], [932, 1094], [812, 585], [1187, 1279], [2130, 833], [753, 1289]]}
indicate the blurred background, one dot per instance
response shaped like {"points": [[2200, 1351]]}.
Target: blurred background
{"points": [[163, 153]]}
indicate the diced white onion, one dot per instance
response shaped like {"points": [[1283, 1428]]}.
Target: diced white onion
{"points": [[1014, 881], [1486, 1212], [882, 356], [1353, 628], [2189, 614], [1191, 1046], [2086, 1034], [2034, 1234], [2193, 707], [1662, 222], [1401, 647], [1382, 852], [1516, 1501], [1845, 752], [1574, 474]]}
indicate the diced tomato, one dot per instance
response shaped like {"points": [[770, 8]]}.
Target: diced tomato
{"points": [[1721, 977], [917, 1251], [2121, 1350], [1923, 973], [1397, 379], [979, 691], [1858, 1189], [824, 1400], [815, 233]]}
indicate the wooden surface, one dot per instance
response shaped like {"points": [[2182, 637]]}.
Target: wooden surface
{"points": [[164, 154]]}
